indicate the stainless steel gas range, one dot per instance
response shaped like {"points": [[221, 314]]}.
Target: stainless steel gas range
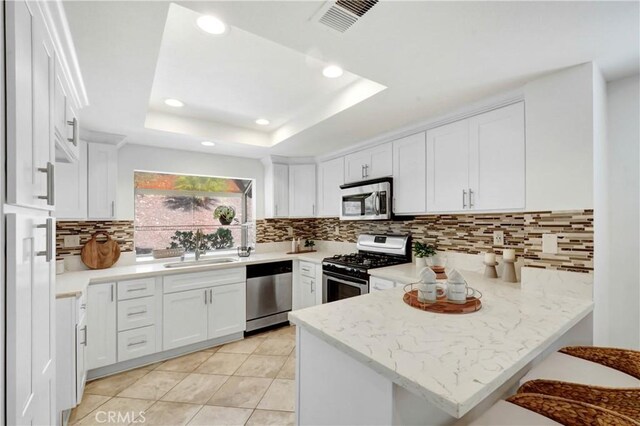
{"points": [[347, 275]]}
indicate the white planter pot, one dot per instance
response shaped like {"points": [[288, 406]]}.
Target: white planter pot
{"points": [[421, 262]]}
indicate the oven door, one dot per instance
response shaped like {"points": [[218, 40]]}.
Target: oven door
{"points": [[337, 287]]}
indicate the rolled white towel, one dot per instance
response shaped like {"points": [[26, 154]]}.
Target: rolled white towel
{"points": [[456, 277], [427, 276]]}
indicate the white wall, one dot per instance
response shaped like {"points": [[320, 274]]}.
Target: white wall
{"points": [[618, 225], [559, 138], [138, 157]]}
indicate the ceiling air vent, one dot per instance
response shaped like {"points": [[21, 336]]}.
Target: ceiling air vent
{"points": [[342, 14]]}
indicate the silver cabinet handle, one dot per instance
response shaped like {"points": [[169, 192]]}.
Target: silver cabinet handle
{"points": [[366, 170], [74, 125], [313, 287], [313, 209], [84, 343], [470, 198], [142, 342], [51, 187], [112, 292], [464, 198], [211, 296], [276, 210], [362, 171], [205, 297], [113, 209], [48, 252], [129, 290], [131, 314]]}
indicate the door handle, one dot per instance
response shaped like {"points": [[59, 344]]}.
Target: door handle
{"points": [[112, 292], [366, 170], [464, 198], [113, 209], [142, 342], [470, 198], [205, 297], [48, 252], [211, 296], [74, 125], [362, 171], [51, 188], [131, 314], [84, 343], [313, 286]]}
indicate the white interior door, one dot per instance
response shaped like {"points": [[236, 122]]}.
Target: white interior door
{"points": [[184, 318], [302, 190], [101, 325], [30, 321], [331, 176], [409, 174], [448, 167], [227, 310], [497, 159]]}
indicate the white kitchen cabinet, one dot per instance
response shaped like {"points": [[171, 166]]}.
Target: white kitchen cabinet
{"points": [[368, 164], [497, 159], [309, 288], [330, 177], [302, 190], [380, 284], [448, 167], [101, 325], [136, 343], [71, 186], [276, 194], [102, 180], [30, 319], [478, 163], [184, 318], [71, 341], [227, 310], [65, 121], [29, 76], [409, 174]]}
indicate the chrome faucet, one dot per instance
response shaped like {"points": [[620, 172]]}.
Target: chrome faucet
{"points": [[199, 235]]}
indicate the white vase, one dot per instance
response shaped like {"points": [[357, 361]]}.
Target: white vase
{"points": [[421, 262]]}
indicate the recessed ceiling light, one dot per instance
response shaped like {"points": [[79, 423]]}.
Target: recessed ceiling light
{"points": [[212, 25], [262, 121], [174, 103], [208, 143], [332, 71]]}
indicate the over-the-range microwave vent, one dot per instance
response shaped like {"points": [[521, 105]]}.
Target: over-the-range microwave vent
{"points": [[342, 14]]}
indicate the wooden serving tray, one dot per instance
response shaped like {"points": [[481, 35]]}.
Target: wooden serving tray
{"points": [[442, 305], [301, 251]]}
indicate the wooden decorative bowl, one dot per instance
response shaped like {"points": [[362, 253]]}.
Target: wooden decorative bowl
{"points": [[442, 305]]}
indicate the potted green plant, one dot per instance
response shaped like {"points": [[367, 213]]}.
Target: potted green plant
{"points": [[309, 244], [422, 251], [224, 214]]}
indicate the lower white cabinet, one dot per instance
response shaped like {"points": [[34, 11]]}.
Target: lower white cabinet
{"points": [[136, 343], [71, 343], [308, 288], [136, 313], [227, 310], [184, 318], [101, 325], [380, 284]]}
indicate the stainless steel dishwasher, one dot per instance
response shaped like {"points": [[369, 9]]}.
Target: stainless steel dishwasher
{"points": [[269, 293]]}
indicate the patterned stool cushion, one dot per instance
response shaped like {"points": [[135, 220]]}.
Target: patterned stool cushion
{"points": [[624, 360]]}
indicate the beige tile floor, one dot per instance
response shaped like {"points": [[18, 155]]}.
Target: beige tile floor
{"points": [[246, 382]]}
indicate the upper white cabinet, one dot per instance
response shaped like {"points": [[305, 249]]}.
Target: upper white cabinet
{"points": [[368, 164], [102, 181], [478, 163], [330, 177], [276, 190], [71, 186], [302, 190], [448, 167], [30, 69], [497, 159], [409, 174], [101, 325], [65, 120]]}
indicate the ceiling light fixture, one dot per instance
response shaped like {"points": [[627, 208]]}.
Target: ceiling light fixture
{"points": [[174, 103], [332, 71], [262, 121], [212, 25], [207, 143]]}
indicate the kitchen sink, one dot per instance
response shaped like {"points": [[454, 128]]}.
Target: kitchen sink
{"points": [[217, 261]]}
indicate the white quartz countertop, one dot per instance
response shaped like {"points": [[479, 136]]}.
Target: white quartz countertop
{"points": [[403, 273], [453, 361], [74, 284]]}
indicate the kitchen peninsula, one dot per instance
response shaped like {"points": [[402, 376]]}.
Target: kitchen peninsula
{"points": [[375, 360]]}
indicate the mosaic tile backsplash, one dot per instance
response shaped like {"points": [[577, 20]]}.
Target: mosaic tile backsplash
{"points": [[120, 230], [466, 233]]}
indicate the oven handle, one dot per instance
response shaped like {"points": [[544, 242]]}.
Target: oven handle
{"points": [[360, 283]]}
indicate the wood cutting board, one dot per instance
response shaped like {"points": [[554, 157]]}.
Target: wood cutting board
{"points": [[100, 255]]}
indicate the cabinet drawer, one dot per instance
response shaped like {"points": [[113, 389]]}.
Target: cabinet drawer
{"points": [[308, 269], [196, 280], [136, 288], [136, 313], [136, 343]]}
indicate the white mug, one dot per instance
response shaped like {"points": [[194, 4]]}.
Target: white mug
{"points": [[427, 292], [458, 292]]}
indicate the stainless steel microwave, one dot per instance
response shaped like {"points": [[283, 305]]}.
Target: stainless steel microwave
{"points": [[367, 200]]}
